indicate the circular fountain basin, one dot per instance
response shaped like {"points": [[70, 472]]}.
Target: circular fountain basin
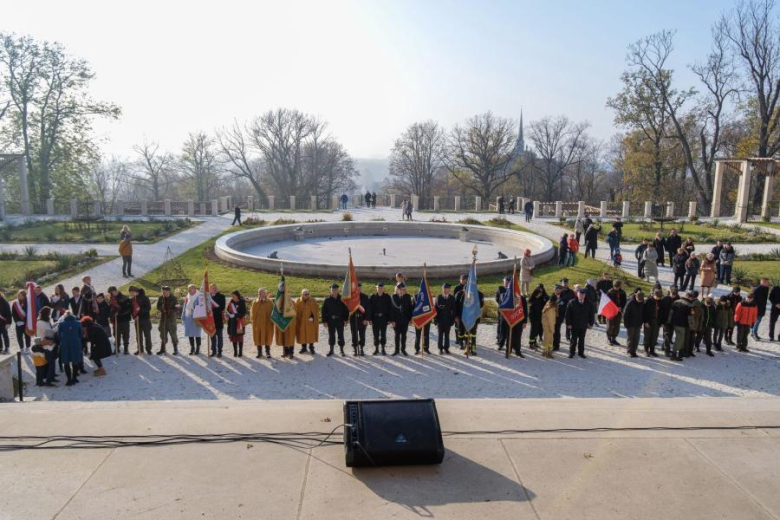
{"points": [[380, 249]]}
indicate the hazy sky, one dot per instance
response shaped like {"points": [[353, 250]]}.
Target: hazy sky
{"points": [[369, 68]]}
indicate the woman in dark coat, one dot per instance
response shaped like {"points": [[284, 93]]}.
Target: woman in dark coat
{"points": [[659, 243], [70, 339], [236, 312], [536, 303], [100, 346], [592, 239]]}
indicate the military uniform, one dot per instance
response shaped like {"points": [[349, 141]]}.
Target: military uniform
{"points": [[517, 329], [402, 315], [357, 327], [696, 326], [334, 315], [502, 331], [618, 297], [166, 306], [445, 318], [381, 309], [459, 304], [142, 309]]}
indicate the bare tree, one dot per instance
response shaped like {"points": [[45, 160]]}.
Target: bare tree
{"points": [[106, 180], [587, 173], [415, 157], [155, 169], [235, 152], [199, 164], [330, 168], [480, 153], [557, 143]]}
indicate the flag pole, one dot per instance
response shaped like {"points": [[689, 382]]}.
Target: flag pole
{"points": [[514, 275], [422, 331]]}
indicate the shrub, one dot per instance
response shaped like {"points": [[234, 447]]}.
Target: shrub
{"points": [[91, 253], [471, 222], [283, 221], [347, 216], [694, 218], [739, 275], [254, 221], [382, 219], [499, 222], [775, 253], [30, 251]]}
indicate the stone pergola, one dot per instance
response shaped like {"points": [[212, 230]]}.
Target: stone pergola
{"points": [[744, 168]]}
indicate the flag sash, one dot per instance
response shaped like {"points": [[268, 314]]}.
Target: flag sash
{"points": [[278, 313], [31, 319]]}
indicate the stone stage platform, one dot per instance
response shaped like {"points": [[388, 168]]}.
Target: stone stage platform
{"points": [[687, 474]]}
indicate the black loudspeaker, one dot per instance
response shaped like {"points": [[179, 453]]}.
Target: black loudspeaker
{"points": [[392, 432]]}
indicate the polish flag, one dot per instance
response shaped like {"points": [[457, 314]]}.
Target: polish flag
{"points": [[607, 307]]}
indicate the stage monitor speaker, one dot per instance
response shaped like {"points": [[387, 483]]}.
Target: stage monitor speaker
{"points": [[392, 432]]}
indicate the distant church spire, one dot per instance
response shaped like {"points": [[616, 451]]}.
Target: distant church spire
{"points": [[520, 145]]}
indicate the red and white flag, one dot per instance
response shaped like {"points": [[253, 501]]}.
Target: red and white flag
{"points": [[607, 307], [203, 312], [31, 319]]}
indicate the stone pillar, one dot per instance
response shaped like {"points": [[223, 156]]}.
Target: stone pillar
{"points": [[250, 203], [558, 208], [477, 203], [626, 213], [190, 208], [648, 209], [2, 199], [436, 203], [603, 209], [215, 208], [537, 208], [670, 209], [457, 203], [415, 202], [74, 209], [717, 190], [167, 207], [50, 206], [271, 202], [336, 201], [743, 193], [392, 200], [292, 202], [314, 203], [580, 209], [497, 203], [357, 200], [120, 207], [97, 208], [519, 204], [144, 208], [23, 187], [769, 184], [691, 209]]}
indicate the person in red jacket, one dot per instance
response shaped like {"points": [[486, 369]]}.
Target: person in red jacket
{"points": [[745, 316]]}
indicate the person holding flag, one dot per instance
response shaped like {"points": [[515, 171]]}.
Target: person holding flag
{"points": [[402, 315], [20, 311], [203, 313], [469, 308], [445, 317], [283, 316], [334, 315], [422, 314], [358, 321], [513, 308]]}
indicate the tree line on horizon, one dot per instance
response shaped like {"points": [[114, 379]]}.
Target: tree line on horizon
{"points": [[669, 135]]}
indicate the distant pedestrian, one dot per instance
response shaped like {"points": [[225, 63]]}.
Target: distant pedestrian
{"points": [[373, 200], [501, 205], [579, 229], [367, 198], [126, 252], [344, 200], [237, 215], [529, 210]]}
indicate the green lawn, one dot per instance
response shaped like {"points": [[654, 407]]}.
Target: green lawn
{"points": [[12, 270], [754, 270], [775, 225], [634, 232], [15, 273], [91, 232]]}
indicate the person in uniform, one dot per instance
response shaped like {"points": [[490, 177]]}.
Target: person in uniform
{"points": [[402, 315], [334, 315], [381, 307], [121, 314], [536, 303], [218, 304], [579, 319], [665, 310], [166, 306], [633, 316], [679, 319], [445, 318], [459, 332], [262, 326], [502, 331], [566, 296], [286, 338], [516, 335], [549, 323], [652, 318], [358, 321], [141, 312], [619, 298], [603, 286], [735, 298], [460, 301], [307, 320]]}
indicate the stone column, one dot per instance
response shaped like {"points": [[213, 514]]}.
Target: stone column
{"points": [[626, 209], [50, 206], [250, 203], [74, 209], [457, 203], [743, 193], [415, 202], [336, 201], [558, 208], [477, 203], [215, 208], [167, 207], [292, 202], [648, 209], [769, 184], [392, 200], [691, 209], [519, 204], [497, 203], [717, 190], [537, 208], [271, 202], [314, 203], [120, 207], [580, 209], [23, 187], [603, 209], [144, 208], [190, 208], [436, 203], [670, 209], [2, 199]]}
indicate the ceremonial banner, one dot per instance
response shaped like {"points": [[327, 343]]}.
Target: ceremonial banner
{"points": [[349, 294], [471, 309], [283, 311], [424, 310], [31, 319], [511, 305], [204, 308], [607, 307]]}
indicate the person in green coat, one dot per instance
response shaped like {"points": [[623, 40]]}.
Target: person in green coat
{"points": [[696, 322], [168, 309], [721, 323]]}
